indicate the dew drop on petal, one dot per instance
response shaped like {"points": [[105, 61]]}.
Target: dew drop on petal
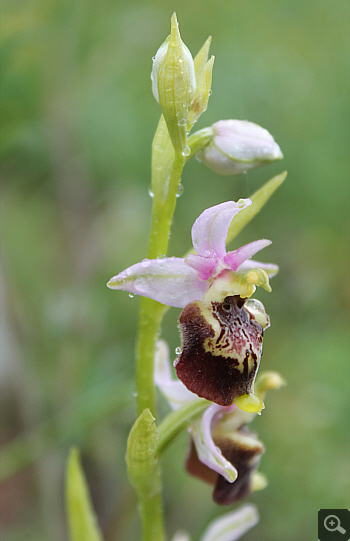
{"points": [[182, 122], [178, 351], [131, 295]]}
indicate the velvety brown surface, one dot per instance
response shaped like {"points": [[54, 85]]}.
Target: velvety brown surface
{"points": [[217, 377], [245, 459]]}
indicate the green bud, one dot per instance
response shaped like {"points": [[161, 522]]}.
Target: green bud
{"points": [[267, 381], [174, 84], [203, 69], [141, 456]]}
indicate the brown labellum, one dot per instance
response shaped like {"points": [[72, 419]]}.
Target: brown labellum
{"points": [[243, 450], [221, 349]]}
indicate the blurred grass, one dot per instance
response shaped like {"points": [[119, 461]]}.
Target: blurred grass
{"points": [[78, 119]]}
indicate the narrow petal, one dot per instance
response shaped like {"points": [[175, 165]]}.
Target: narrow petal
{"points": [[270, 269], [205, 266], [232, 526], [235, 259], [168, 280], [173, 390], [208, 453], [209, 231]]}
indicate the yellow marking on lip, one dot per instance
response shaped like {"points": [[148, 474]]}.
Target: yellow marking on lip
{"points": [[211, 347], [250, 403]]}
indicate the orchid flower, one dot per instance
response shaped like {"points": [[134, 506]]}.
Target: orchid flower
{"points": [[228, 527], [221, 331], [223, 451], [178, 281]]}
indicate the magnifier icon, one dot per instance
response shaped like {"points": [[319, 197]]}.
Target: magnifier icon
{"points": [[332, 524]]}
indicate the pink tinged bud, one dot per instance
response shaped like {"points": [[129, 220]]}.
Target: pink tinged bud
{"points": [[239, 145]]}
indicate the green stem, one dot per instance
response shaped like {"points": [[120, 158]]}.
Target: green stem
{"points": [[177, 421], [151, 312], [152, 518], [167, 167], [199, 139]]}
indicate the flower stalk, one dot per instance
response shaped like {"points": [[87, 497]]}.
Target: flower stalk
{"points": [[167, 166]]}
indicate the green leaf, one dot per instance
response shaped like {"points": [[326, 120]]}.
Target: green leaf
{"points": [[82, 521], [259, 198]]}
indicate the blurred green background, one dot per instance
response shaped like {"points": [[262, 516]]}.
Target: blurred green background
{"points": [[78, 117]]}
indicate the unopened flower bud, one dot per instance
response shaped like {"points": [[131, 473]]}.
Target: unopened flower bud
{"points": [[173, 84], [239, 145], [203, 69]]}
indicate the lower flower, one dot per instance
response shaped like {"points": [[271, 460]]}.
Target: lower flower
{"points": [[233, 442], [223, 452]]}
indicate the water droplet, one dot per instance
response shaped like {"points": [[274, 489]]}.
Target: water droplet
{"points": [[145, 263], [182, 122], [186, 151], [178, 351], [131, 295], [150, 193], [180, 190], [210, 92], [163, 256]]}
